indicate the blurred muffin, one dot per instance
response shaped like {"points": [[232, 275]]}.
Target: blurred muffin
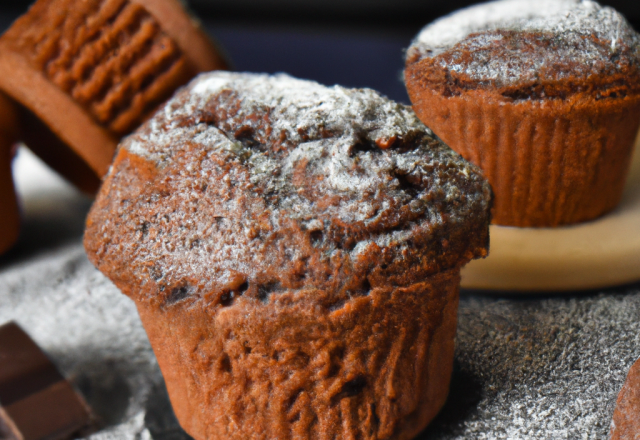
{"points": [[10, 218], [294, 253], [88, 72], [626, 417], [544, 96]]}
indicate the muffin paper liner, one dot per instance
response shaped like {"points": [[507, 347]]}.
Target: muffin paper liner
{"points": [[376, 366], [94, 74], [550, 162]]}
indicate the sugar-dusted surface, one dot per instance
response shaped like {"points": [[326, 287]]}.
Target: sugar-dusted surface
{"points": [[334, 130], [264, 180], [540, 368], [510, 41], [446, 32]]}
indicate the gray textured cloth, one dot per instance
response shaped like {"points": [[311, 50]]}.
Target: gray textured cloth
{"points": [[540, 368], [526, 368]]}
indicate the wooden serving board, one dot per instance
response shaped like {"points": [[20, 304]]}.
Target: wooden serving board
{"points": [[601, 253]]}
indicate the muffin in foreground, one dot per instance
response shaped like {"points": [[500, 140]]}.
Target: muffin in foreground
{"points": [[294, 253], [544, 96]]}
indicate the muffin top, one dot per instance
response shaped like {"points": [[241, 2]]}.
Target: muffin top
{"points": [[252, 183], [541, 48]]}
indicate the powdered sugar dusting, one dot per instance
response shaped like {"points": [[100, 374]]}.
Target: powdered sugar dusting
{"points": [[210, 85], [582, 31], [297, 106], [325, 124], [446, 32], [252, 168]]}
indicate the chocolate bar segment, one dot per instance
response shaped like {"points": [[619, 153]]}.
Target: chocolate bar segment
{"points": [[36, 402]]}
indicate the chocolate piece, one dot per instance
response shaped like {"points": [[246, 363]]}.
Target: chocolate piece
{"points": [[626, 417], [36, 402]]}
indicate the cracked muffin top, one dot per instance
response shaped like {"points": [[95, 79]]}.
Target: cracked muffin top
{"points": [[248, 184], [544, 48]]}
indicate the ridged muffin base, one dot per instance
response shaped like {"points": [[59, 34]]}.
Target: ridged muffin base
{"points": [[375, 367], [550, 162]]}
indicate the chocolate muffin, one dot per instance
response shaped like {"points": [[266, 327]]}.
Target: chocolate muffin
{"points": [[294, 253], [544, 96], [85, 73], [626, 417]]}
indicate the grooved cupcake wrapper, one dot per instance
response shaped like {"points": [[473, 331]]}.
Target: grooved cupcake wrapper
{"points": [[372, 368], [92, 71], [112, 57], [549, 163]]}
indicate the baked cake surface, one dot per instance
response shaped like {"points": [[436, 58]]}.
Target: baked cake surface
{"points": [[533, 49], [626, 416], [294, 253], [243, 169]]}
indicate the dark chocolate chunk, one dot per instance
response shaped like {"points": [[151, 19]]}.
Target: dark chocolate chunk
{"points": [[36, 402]]}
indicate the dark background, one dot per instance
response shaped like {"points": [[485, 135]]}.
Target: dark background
{"points": [[375, 13], [355, 43], [361, 12]]}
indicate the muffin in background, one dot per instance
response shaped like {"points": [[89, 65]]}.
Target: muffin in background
{"points": [[294, 252], [543, 95], [87, 72]]}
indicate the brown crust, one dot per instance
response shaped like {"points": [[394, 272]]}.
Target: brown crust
{"points": [[422, 210], [278, 334], [94, 71], [626, 417], [550, 161]]}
